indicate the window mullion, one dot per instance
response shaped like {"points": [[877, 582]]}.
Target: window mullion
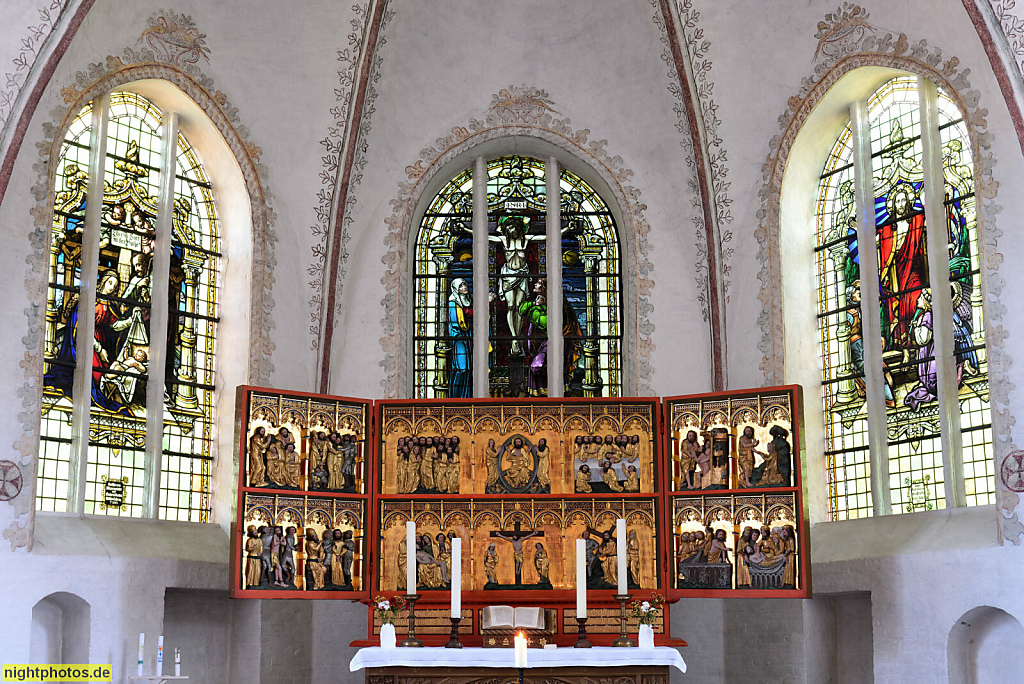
{"points": [[159, 319], [481, 305], [942, 304], [553, 198], [86, 334], [878, 441]]}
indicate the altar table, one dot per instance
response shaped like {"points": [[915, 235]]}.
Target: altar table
{"points": [[456, 666]]}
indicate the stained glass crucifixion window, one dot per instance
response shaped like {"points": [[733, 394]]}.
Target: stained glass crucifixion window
{"points": [[129, 432], [518, 266], [922, 442]]}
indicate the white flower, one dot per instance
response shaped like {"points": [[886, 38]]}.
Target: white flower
{"points": [[384, 605], [645, 606]]}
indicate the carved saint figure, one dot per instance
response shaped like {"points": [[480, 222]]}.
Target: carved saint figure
{"points": [[253, 550], [317, 449], [491, 564], [610, 450], [607, 552], [258, 444], [292, 467], [491, 461], [688, 458], [412, 474], [428, 453], [542, 562], [403, 563], [718, 552], [315, 559], [583, 479], [543, 463], [745, 455], [633, 557], [632, 480], [335, 461], [611, 478], [288, 556]]}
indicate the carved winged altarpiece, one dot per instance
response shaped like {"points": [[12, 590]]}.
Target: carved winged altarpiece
{"points": [[709, 487]]}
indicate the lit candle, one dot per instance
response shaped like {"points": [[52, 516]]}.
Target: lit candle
{"points": [[142, 645], [620, 543], [410, 557], [581, 578], [520, 644], [457, 577], [160, 654], [177, 662]]}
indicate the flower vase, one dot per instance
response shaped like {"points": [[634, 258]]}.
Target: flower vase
{"points": [[387, 635], [646, 639]]}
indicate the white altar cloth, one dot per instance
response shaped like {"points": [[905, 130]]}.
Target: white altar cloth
{"points": [[598, 656]]}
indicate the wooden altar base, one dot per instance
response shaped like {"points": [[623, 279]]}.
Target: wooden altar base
{"points": [[632, 674]]}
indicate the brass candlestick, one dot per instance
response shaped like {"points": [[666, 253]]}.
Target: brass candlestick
{"points": [[623, 640], [581, 640], [453, 640], [411, 640]]}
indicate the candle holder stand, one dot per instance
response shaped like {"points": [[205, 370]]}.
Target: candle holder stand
{"points": [[623, 640], [581, 639], [410, 641], [453, 639]]}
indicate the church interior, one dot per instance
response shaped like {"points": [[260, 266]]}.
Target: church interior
{"points": [[311, 209]]}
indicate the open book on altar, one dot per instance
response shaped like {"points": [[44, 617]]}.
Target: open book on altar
{"points": [[507, 617]]}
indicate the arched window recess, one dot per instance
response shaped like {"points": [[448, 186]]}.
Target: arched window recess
{"points": [[905, 384], [129, 431]]}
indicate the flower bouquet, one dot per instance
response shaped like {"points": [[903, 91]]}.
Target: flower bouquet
{"points": [[386, 610], [646, 612]]}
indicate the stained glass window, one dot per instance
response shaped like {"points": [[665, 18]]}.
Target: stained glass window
{"points": [[124, 341], [910, 370], [517, 271]]}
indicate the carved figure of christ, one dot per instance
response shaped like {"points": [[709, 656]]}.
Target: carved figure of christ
{"points": [[516, 537]]}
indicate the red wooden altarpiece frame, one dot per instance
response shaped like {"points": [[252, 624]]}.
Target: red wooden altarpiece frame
{"points": [[563, 601]]}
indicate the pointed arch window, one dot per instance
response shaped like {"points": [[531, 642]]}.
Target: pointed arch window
{"points": [[127, 409], [905, 369], [498, 260]]}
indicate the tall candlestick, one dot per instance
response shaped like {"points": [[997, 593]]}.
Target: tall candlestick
{"points": [[410, 557], [620, 543], [142, 646], [160, 654], [581, 578], [520, 644], [177, 661], [457, 577]]}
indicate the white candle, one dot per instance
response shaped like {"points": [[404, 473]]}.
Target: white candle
{"points": [[620, 543], [520, 644], [177, 662], [410, 557], [457, 577], [142, 645], [160, 654], [581, 578]]}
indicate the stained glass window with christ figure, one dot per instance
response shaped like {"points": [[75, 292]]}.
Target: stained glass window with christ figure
{"points": [[124, 340], [910, 370], [517, 275]]}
